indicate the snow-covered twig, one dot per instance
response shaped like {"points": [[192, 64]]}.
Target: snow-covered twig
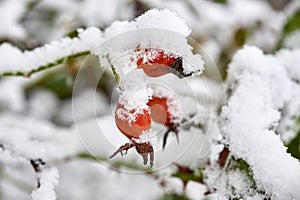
{"points": [[15, 62], [25, 140]]}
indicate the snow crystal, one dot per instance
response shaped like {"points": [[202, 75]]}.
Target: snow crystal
{"points": [[262, 87], [48, 179]]}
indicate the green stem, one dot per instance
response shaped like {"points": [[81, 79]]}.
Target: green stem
{"points": [[116, 75]]}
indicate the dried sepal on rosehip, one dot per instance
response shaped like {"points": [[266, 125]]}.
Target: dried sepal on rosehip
{"points": [[156, 62], [133, 129]]}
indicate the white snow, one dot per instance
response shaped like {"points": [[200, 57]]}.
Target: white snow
{"points": [[19, 131], [252, 60], [11, 12], [94, 180], [290, 59], [14, 60], [150, 30], [37, 102], [18, 142], [12, 94], [85, 105], [250, 117], [48, 179], [163, 19], [195, 190], [264, 102]]}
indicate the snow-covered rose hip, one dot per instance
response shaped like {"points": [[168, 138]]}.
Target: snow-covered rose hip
{"points": [[132, 127], [133, 123], [161, 113], [156, 62]]}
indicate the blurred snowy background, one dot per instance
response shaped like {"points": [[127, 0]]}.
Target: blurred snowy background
{"points": [[64, 115]]}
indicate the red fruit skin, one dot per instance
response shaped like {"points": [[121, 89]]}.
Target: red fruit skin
{"points": [[134, 129], [158, 66], [159, 111]]}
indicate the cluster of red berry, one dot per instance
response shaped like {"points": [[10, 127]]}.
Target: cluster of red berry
{"points": [[156, 65]]}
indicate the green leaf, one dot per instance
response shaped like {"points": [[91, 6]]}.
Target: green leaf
{"points": [[60, 82], [238, 163], [294, 146], [221, 1], [196, 176], [292, 24]]}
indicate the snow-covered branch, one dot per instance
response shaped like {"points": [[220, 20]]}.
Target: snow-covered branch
{"points": [[15, 62], [261, 88]]}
